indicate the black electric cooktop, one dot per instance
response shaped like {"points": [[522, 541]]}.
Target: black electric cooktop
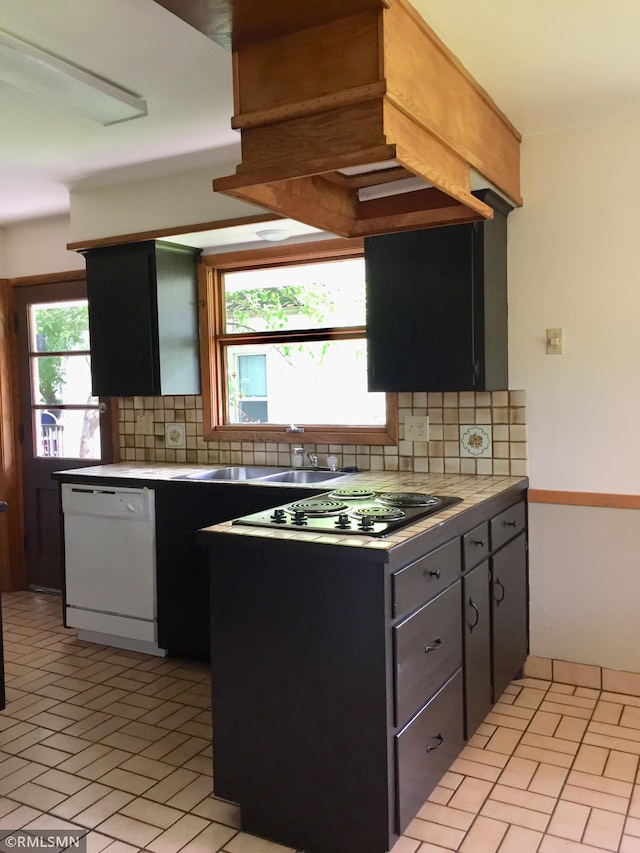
{"points": [[351, 510]]}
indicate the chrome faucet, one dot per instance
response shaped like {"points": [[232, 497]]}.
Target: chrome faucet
{"points": [[313, 459]]}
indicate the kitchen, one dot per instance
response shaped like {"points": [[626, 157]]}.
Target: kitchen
{"points": [[560, 257]]}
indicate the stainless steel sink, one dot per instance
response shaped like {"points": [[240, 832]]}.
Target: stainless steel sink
{"points": [[307, 476], [234, 472]]}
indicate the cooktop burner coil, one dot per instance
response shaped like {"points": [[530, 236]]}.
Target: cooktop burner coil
{"points": [[352, 494], [318, 507], [379, 513], [408, 499]]}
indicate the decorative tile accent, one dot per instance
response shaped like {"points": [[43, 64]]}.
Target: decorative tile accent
{"points": [[475, 441], [174, 435]]}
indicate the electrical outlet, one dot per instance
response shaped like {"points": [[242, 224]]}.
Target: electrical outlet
{"points": [[416, 428], [144, 423]]}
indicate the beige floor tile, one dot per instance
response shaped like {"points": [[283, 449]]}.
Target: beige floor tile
{"points": [[630, 717], [180, 833], [156, 814], [544, 723], [518, 772], [600, 783], [485, 836], [19, 817], [32, 794], [434, 833], [515, 815], [548, 779], [81, 800], [571, 728], [455, 818], [596, 799], [569, 820], [634, 808], [629, 844], [219, 810], [547, 756], [102, 809], [405, 845], [148, 767], [477, 771], [608, 742], [604, 830], [550, 844], [526, 799], [171, 785], [15, 779], [632, 827], [123, 780], [607, 712], [470, 795], [591, 759], [549, 743], [479, 741], [503, 740], [520, 840], [481, 756], [192, 794], [529, 698], [213, 838], [129, 830]]}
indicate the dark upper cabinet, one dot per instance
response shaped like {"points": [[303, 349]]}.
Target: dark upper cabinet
{"points": [[437, 306], [143, 319]]}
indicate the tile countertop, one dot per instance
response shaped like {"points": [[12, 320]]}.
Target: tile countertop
{"points": [[472, 488]]}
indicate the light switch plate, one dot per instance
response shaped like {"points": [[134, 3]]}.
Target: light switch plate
{"points": [[174, 435], [144, 423], [555, 341], [416, 428]]}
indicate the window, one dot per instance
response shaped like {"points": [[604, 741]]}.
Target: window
{"points": [[286, 348], [66, 417]]}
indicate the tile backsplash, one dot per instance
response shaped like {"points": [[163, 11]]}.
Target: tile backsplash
{"points": [[499, 416]]}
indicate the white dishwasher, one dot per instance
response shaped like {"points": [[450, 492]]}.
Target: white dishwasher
{"points": [[110, 565]]}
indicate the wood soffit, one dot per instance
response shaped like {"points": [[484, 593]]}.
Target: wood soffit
{"points": [[339, 100]]}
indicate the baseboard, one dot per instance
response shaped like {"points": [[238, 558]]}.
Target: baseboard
{"points": [[583, 675]]}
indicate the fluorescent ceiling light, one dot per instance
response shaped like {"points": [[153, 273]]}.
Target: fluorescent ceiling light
{"points": [[41, 73], [407, 185]]}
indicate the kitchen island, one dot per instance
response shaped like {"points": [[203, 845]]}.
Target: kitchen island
{"points": [[347, 670]]}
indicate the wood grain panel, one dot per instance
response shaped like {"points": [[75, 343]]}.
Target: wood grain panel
{"points": [[280, 72], [330, 134], [597, 499], [232, 23], [425, 82], [12, 566]]}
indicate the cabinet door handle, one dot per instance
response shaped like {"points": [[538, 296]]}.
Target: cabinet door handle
{"points": [[435, 573], [432, 746], [499, 584], [435, 645], [479, 542], [472, 625], [509, 524]]}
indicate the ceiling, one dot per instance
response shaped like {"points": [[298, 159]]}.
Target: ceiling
{"points": [[548, 64]]}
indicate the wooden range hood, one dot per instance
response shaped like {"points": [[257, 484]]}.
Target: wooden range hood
{"points": [[354, 116]]}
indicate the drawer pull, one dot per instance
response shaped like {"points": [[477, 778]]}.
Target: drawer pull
{"points": [[501, 599], [433, 746], [509, 524], [434, 647], [472, 625], [479, 542], [435, 573]]}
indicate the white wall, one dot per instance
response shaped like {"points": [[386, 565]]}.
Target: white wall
{"points": [[574, 261], [186, 198], [38, 247]]}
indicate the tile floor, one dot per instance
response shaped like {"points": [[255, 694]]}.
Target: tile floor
{"points": [[118, 743]]}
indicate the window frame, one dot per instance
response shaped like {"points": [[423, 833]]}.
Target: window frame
{"points": [[212, 341]]}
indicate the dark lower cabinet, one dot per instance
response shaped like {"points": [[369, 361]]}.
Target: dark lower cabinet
{"points": [[426, 747], [182, 562], [476, 627], [346, 678], [509, 613]]}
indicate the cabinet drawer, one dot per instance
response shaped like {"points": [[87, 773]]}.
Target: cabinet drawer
{"points": [[505, 525], [427, 649], [425, 749], [420, 581], [475, 545]]}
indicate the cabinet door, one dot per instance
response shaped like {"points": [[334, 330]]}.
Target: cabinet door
{"points": [[182, 577], [122, 322], [476, 619], [509, 611], [420, 310]]}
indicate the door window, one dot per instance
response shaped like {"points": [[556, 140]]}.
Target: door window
{"points": [[65, 414]]}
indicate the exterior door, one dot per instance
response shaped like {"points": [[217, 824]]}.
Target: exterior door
{"points": [[61, 424]]}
